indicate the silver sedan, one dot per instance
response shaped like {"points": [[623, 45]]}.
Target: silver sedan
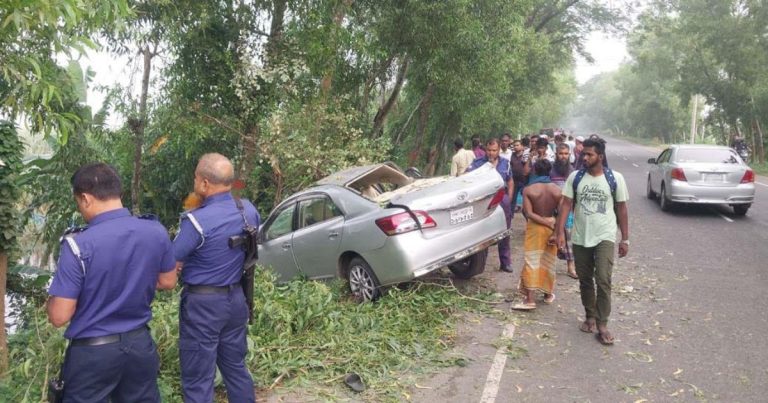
{"points": [[703, 174], [374, 226]]}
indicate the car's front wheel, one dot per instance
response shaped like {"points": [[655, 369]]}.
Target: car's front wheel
{"points": [[363, 283], [470, 266], [741, 209], [664, 202], [649, 191]]}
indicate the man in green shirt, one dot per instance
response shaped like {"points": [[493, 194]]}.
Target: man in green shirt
{"points": [[601, 202]]}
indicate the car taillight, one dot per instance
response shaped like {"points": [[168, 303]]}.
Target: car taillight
{"points": [[678, 174], [497, 198], [749, 176], [403, 222]]}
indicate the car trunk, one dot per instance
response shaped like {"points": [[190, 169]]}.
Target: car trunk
{"points": [[453, 202], [714, 175]]}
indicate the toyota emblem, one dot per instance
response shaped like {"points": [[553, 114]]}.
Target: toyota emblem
{"points": [[462, 196]]}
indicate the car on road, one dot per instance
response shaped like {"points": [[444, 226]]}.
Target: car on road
{"points": [[701, 174], [375, 226]]}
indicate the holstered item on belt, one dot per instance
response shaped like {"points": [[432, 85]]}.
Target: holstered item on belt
{"points": [[248, 240], [55, 390]]}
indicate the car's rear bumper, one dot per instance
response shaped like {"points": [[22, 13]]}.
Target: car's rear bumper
{"points": [[684, 192], [407, 256]]}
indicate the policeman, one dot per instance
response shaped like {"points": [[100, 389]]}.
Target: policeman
{"points": [[104, 284], [213, 312]]}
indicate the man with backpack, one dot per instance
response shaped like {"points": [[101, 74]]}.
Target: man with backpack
{"points": [[599, 198]]}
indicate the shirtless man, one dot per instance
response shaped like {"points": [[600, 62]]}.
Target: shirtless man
{"points": [[540, 200]]}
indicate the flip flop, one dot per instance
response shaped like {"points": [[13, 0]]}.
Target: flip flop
{"points": [[585, 327], [606, 341], [354, 382], [522, 306], [571, 275], [550, 299]]}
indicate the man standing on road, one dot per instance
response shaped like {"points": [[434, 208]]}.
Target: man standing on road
{"points": [[540, 200], [506, 146], [462, 159], [104, 284], [599, 201], [518, 163], [213, 313], [477, 147], [561, 169], [502, 167]]}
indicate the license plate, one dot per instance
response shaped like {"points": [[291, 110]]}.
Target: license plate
{"points": [[461, 215], [713, 177]]}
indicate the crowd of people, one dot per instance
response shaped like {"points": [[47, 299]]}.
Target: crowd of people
{"points": [[573, 205]]}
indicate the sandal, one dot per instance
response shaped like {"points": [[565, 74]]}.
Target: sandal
{"points": [[549, 299], [522, 306]]}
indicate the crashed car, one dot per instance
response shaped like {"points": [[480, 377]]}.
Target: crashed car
{"points": [[375, 226]]}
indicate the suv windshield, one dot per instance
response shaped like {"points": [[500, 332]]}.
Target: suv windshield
{"points": [[708, 155]]}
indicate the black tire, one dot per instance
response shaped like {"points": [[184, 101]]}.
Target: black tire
{"points": [[741, 209], [649, 191], [664, 202], [470, 266], [363, 284]]}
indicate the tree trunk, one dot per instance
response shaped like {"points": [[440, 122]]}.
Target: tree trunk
{"points": [[758, 137], [421, 125], [338, 18], [137, 126], [381, 115], [3, 336]]}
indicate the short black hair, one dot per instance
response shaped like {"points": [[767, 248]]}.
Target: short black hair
{"points": [[98, 179], [492, 140], [542, 166], [506, 135], [476, 142], [526, 141], [458, 143], [542, 142], [597, 143]]}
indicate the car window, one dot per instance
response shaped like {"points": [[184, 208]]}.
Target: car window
{"points": [[664, 157], [316, 210], [281, 225], [706, 155]]}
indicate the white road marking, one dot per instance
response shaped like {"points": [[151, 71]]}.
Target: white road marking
{"points": [[497, 369], [761, 184], [725, 217], [635, 165]]}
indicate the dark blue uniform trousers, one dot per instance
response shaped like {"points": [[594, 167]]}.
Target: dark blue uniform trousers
{"points": [[212, 332], [124, 371]]}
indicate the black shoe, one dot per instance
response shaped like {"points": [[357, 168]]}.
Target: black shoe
{"points": [[506, 268]]}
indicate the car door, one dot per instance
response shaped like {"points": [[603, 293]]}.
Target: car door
{"points": [[318, 237], [276, 247], [656, 171]]}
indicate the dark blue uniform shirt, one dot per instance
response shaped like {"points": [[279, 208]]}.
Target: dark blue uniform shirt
{"points": [[122, 257], [502, 167], [202, 241]]}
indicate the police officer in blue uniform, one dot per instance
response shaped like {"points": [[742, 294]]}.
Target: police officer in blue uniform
{"points": [[103, 286], [213, 312]]}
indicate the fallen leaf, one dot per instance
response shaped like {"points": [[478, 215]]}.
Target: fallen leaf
{"points": [[421, 387], [678, 372], [519, 389]]}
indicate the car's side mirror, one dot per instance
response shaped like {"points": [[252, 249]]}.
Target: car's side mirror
{"points": [[651, 160]]}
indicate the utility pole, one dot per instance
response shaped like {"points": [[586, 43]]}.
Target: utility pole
{"points": [[693, 118]]}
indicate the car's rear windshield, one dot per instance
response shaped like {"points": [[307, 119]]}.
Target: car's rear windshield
{"points": [[708, 155]]}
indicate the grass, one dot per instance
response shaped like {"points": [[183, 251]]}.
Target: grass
{"points": [[305, 336]]}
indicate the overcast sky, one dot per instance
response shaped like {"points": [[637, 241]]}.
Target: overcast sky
{"points": [[608, 51]]}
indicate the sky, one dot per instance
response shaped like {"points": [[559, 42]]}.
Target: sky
{"points": [[608, 51]]}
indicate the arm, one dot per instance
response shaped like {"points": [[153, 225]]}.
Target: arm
{"points": [[563, 209], [623, 217], [60, 310], [168, 280], [511, 189]]}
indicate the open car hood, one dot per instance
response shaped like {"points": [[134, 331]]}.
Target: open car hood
{"points": [[361, 177]]}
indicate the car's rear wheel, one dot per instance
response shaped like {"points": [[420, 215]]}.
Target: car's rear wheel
{"points": [[470, 266], [741, 209], [363, 283], [664, 202], [649, 191]]}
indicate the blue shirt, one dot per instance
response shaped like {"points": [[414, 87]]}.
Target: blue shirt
{"points": [[207, 258], [502, 167], [122, 257]]}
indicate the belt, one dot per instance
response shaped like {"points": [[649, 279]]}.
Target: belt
{"points": [[112, 338], [211, 289]]}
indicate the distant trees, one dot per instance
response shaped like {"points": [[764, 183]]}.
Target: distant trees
{"points": [[682, 49]]}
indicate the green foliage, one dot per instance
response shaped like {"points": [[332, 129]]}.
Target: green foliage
{"points": [[304, 332], [10, 167]]}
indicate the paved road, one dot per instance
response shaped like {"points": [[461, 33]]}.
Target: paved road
{"points": [[690, 315]]}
